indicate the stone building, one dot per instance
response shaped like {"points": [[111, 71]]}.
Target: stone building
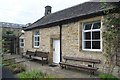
{"points": [[75, 31], [10, 33]]}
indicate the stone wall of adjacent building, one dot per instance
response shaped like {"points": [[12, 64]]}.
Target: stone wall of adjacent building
{"points": [[46, 36], [28, 41], [72, 41]]}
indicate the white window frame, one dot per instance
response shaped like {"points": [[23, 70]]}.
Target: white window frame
{"points": [[22, 42], [83, 43], [34, 36]]}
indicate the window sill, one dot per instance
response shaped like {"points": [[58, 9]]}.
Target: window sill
{"points": [[92, 50], [36, 47], [21, 47]]}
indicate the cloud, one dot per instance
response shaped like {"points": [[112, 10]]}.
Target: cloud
{"points": [[104, 0], [28, 11]]}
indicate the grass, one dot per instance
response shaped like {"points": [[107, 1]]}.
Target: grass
{"points": [[104, 76], [34, 74]]}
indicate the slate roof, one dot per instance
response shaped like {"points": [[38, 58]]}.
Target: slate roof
{"points": [[10, 25], [70, 13]]}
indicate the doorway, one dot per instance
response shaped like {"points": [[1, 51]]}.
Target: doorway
{"points": [[56, 51]]}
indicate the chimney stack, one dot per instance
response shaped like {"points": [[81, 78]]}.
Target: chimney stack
{"points": [[47, 10]]}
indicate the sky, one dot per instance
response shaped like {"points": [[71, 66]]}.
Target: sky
{"points": [[28, 11]]}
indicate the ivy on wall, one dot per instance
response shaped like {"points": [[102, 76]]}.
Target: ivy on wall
{"points": [[110, 36]]}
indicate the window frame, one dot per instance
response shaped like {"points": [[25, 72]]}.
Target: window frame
{"points": [[91, 30], [22, 42], [34, 41]]}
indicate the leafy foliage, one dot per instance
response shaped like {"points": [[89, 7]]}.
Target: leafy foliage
{"points": [[107, 77], [15, 68], [10, 61], [34, 75], [110, 37], [8, 32]]}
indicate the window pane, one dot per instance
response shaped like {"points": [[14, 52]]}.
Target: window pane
{"points": [[96, 25], [96, 35], [87, 44], [95, 44], [22, 44], [21, 40], [87, 26], [35, 38], [36, 43], [87, 35], [36, 33]]}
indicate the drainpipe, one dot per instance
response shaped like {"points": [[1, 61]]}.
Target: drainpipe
{"points": [[60, 42]]}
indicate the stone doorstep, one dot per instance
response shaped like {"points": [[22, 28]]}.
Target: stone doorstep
{"points": [[53, 65]]}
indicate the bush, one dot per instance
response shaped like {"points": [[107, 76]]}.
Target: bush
{"points": [[107, 77], [15, 68], [34, 75], [6, 62]]}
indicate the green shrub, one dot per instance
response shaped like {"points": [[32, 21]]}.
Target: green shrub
{"points": [[34, 75], [11, 61], [107, 77], [15, 68]]}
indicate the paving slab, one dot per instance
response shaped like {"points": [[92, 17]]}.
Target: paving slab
{"points": [[56, 71]]}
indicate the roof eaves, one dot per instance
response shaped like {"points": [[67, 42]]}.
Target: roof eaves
{"points": [[29, 28], [63, 19]]}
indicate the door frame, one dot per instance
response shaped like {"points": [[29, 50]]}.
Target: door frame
{"points": [[51, 47]]}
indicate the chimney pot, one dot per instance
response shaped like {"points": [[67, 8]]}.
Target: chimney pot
{"points": [[47, 10]]}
